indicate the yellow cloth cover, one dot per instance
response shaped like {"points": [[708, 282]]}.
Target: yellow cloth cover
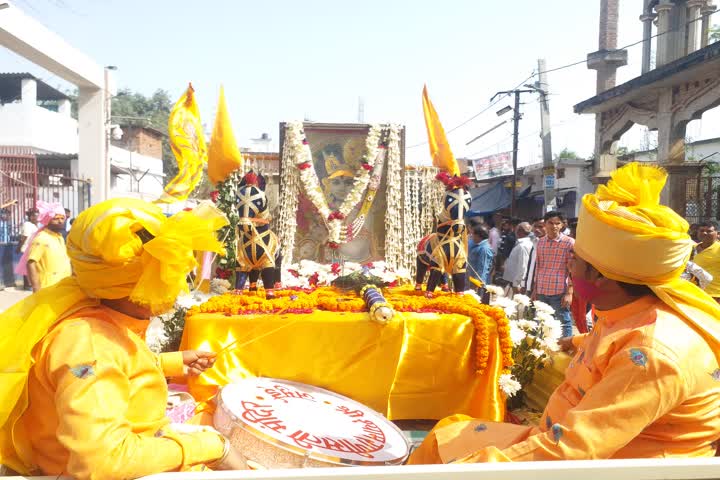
{"points": [[709, 260], [442, 156], [223, 154], [419, 365], [187, 141], [626, 234], [109, 261]]}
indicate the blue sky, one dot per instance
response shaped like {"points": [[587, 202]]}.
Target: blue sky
{"points": [[288, 59]]}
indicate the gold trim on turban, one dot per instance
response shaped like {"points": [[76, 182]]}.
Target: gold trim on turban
{"points": [[626, 234]]}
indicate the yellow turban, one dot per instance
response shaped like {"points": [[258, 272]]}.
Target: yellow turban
{"points": [[118, 248], [626, 234]]}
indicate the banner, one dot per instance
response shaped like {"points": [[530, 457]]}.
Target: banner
{"points": [[493, 166]]}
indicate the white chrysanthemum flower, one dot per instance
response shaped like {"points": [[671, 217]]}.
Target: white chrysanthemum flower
{"points": [[527, 325], [494, 290], [523, 300], [552, 329], [536, 352], [191, 299], [544, 317], [218, 286], [509, 385], [517, 334], [543, 307]]}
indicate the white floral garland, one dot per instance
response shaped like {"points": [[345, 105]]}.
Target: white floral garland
{"points": [[394, 192], [289, 195], [296, 143]]}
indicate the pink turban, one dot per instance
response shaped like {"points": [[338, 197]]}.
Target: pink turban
{"points": [[48, 211]]}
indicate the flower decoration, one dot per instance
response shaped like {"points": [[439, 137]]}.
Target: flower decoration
{"points": [[486, 319]]}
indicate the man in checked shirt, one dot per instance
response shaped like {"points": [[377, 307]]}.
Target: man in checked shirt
{"points": [[552, 280]]}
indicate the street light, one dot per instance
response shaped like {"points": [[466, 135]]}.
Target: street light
{"points": [[503, 111]]}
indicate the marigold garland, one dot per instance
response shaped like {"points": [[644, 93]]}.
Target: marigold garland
{"points": [[402, 299]]}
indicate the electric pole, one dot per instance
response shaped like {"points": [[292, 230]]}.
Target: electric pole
{"points": [[516, 129], [548, 165]]}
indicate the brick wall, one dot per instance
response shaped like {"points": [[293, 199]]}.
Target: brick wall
{"points": [[141, 140]]}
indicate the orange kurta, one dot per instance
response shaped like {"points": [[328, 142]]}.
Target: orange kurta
{"points": [[641, 385], [97, 402]]}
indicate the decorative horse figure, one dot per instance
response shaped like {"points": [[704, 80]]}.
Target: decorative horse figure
{"points": [[445, 250], [258, 252]]}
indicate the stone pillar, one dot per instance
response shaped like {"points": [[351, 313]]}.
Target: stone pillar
{"points": [[647, 20], [694, 25], [606, 61], [662, 53], [706, 11], [92, 158], [28, 91]]}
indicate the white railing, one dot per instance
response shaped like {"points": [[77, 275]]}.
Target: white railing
{"points": [[646, 469]]}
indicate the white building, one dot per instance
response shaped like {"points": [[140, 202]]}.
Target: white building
{"points": [[37, 118]]}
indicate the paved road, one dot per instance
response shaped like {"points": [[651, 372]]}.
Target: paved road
{"points": [[10, 296]]}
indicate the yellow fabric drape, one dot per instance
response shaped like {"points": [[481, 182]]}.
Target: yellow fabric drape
{"points": [[187, 141], [419, 365], [109, 261], [223, 154], [442, 156], [626, 234]]}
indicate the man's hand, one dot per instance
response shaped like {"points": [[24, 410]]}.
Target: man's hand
{"points": [[566, 300], [196, 362]]}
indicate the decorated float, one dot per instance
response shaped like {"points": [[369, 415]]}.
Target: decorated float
{"points": [[339, 289]]}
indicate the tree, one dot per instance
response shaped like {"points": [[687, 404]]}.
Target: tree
{"points": [[566, 154]]}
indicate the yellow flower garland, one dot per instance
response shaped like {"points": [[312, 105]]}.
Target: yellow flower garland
{"points": [[403, 299]]}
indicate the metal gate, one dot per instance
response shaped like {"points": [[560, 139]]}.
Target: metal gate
{"points": [[23, 183], [702, 198]]}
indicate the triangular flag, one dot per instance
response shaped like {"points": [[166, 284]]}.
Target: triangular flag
{"points": [[442, 156], [223, 156], [187, 142]]}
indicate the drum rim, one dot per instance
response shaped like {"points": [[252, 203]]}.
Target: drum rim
{"points": [[312, 454]]}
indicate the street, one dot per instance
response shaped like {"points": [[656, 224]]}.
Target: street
{"points": [[10, 296]]}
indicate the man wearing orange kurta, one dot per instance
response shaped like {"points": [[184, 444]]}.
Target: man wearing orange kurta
{"points": [[80, 392], [646, 382]]}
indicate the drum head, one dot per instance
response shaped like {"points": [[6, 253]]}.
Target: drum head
{"points": [[314, 422]]}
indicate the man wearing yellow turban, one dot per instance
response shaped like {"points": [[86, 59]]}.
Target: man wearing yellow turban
{"points": [[80, 392], [645, 383]]}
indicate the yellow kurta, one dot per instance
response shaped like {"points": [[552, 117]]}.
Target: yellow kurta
{"points": [[97, 402], [641, 385], [709, 260], [49, 252]]}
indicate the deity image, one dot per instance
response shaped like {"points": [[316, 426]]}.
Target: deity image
{"points": [[337, 157]]}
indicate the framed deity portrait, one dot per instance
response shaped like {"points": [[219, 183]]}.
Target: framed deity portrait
{"points": [[337, 155]]}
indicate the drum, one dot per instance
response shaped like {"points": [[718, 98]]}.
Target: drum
{"points": [[283, 424]]}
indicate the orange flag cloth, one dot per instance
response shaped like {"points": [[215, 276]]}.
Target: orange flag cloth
{"points": [[442, 156], [223, 156]]}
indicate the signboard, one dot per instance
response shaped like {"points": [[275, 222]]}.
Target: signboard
{"points": [[493, 166], [549, 181]]}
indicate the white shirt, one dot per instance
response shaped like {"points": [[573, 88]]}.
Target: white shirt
{"points": [[494, 239], [27, 230], [530, 272], [517, 263]]}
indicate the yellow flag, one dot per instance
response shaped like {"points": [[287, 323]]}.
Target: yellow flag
{"points": [[187, 141], [223, 155], [442, 156]]}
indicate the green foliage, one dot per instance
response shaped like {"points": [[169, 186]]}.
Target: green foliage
{"points": [[174, 330], [227, 203], [567, 155], [134, 108]]}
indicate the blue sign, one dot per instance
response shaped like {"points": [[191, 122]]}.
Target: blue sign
{"points": [[549, 181]]}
